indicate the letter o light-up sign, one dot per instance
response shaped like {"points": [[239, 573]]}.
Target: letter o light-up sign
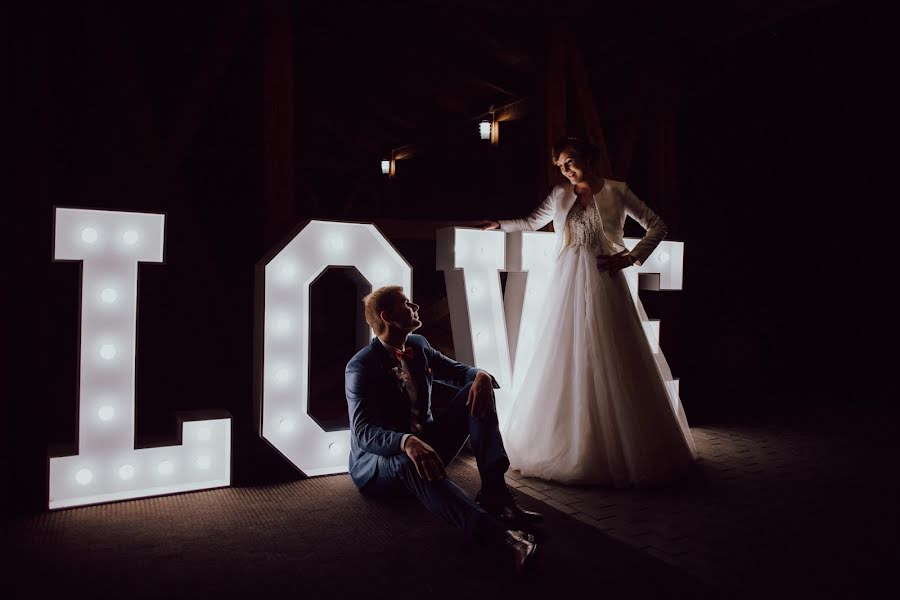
{"points": [[284, 418], [107, 466]]}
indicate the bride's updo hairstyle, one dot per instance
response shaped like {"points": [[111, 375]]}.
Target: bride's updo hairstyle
{"points": [[577, 147]]}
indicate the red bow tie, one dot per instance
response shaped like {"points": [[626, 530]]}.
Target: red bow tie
{"points": [[405, 355]]}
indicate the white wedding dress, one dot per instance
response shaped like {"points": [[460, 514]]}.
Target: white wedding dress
{"points": [[593, 406]]}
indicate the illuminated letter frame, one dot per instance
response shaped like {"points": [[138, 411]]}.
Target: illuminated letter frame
{"points": [[107, 467], [495, 331], [283, 282]]}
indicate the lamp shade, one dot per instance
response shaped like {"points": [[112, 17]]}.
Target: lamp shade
{"points": [[484, 129]]}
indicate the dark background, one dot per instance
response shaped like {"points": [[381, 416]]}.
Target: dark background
{"points": [[777, 124]]}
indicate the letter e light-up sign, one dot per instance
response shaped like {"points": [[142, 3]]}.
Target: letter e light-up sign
{"points": [[496, 332], [107, 467], [285, 421]]}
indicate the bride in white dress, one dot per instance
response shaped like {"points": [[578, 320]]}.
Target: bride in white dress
{"points": [[594, 406]]}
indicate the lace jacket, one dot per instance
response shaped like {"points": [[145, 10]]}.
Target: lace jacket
{"points": [[614, 202]]}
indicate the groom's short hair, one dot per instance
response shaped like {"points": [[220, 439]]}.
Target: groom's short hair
{"points": [[384, 298]]}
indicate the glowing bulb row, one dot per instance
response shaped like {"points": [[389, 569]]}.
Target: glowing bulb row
{"points": [[108, 413], [286, 425], [89, 235], [84, 475], [287, 272]]}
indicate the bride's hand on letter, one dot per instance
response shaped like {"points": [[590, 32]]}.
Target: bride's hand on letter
{"points": [[481, 396], [615, 263], [427, 461], [485, 225]]}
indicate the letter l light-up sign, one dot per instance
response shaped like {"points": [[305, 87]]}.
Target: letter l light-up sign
{"points": [[108, 467]]}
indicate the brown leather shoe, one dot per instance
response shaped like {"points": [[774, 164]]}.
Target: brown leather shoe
{"points": [[521, 547], [505, 507]]}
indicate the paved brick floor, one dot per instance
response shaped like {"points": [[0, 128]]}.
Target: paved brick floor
{"points": [[769, 511]]}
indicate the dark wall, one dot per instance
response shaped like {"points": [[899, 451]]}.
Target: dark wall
{"points": [[784, 222]]}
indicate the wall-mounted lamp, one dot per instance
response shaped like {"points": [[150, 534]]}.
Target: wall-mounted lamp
{"points": [[484, 129], [385, 167]]}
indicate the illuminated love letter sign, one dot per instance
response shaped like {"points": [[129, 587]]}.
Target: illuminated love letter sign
{"points": [[472, 260], [107, 466], [285, 279], [496, 332]]}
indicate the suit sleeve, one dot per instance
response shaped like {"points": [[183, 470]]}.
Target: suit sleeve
{"points": [[451, 372], [649, 220], [370, 437], [539, 217]]}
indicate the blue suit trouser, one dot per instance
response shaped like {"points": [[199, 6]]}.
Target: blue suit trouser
{"points": [[447, 434]]}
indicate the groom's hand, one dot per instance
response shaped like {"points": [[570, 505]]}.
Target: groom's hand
{"points": [[428, 463], [481, 395]]}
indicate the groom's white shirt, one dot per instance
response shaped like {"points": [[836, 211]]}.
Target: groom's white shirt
{"points": [[391, 350]]}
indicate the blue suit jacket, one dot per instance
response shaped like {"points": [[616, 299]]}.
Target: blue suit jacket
{"points": [[379, 410]]}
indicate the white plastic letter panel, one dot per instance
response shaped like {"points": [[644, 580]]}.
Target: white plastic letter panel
{"points": [[497, 332], [108, 467], [285, 420], [472, 260]]}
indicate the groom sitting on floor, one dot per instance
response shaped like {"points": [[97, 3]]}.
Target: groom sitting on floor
{"points": [[398, 446]]}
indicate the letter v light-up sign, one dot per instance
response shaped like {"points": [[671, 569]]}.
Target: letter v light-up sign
{"points": [[108, 467], [497, 332], [472, 260], [283, 407]]}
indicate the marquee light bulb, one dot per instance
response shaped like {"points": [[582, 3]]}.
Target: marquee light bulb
{"points": [[204, 434], [84, 476], [89, 235], [334, 448], [106, 413], [282, 375], [109, 295], [475, 290], [381, 273], [108, 351], [287, 272], [282, 325], [285, 425], [165, 467], [204, 462], [335, 242], [664, 257], [126, 472], [130, 237]]}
